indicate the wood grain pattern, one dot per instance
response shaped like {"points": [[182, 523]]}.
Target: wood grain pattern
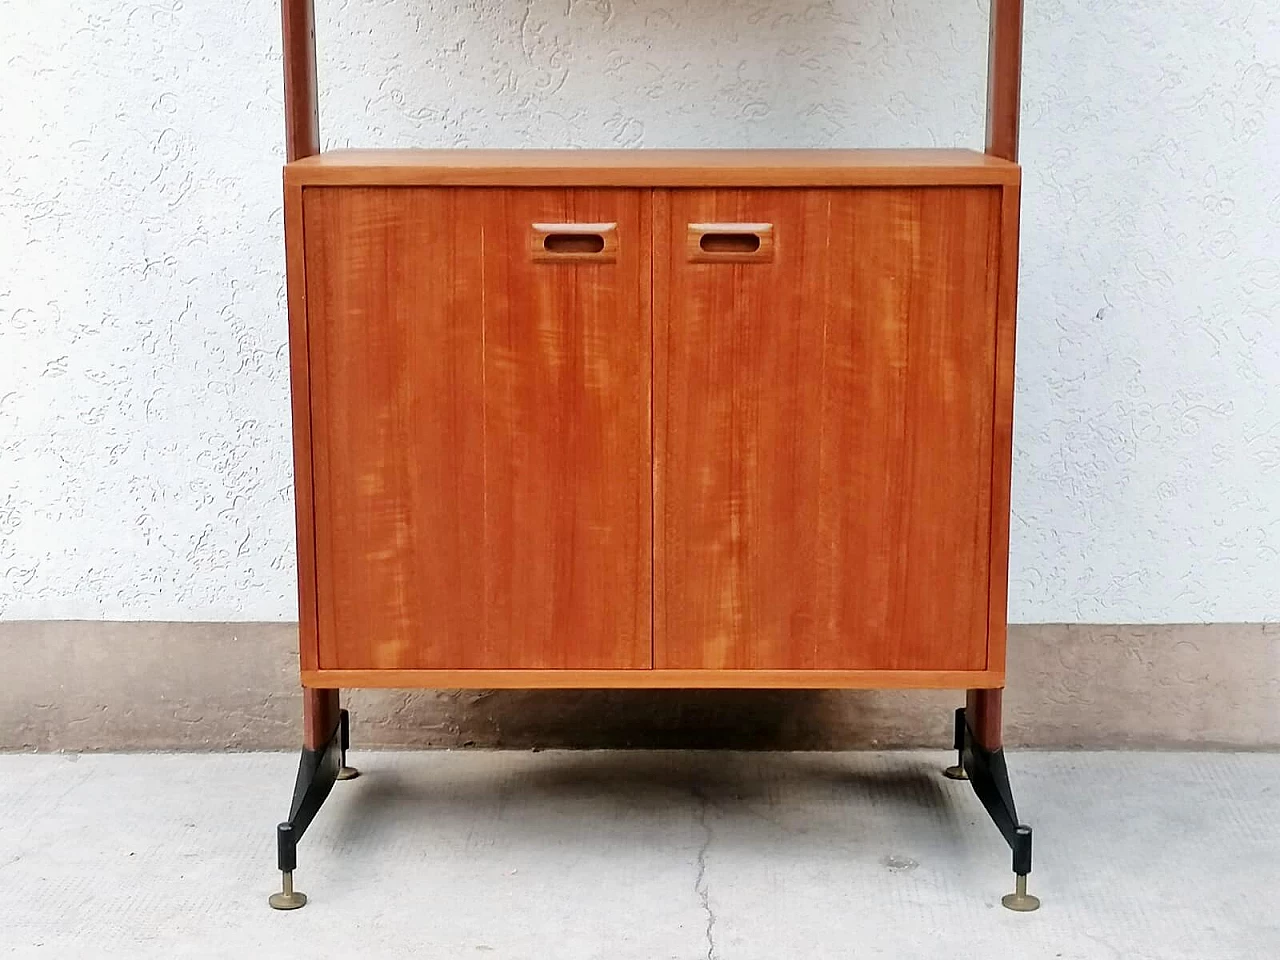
{"points": [[567, 453], [1004, 79], [301, 99], [823, 433], [397, 400], [657, 679], [481, 432], [651, 168]]}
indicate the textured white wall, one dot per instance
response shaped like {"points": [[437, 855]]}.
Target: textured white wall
{"points": [[144, 460]]}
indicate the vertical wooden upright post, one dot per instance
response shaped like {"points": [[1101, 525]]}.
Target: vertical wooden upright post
{"points": [[1004, 79], [302, 139], [984, 708], [301, 98]]}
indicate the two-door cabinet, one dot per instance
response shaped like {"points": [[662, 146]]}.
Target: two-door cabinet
{"points": [[634, 432], [695, 418]]}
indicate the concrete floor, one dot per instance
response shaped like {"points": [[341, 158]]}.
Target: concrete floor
{"points": [[560, 856]]}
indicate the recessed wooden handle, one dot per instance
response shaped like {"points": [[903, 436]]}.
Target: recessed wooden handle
{"points": [[559, 242], [731, 242]]}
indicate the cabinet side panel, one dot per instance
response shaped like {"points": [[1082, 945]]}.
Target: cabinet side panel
{"points": [[394, 287], [300, 395], [567, 523], [1005, 271]]}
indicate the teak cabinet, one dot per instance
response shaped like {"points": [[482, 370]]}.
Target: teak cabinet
{"points": [[654, 434], [650, 418]]}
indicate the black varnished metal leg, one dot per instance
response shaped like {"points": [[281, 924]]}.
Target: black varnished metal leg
{"points": [[344, 726], [987, 771], [957, 772], [317, 770]]}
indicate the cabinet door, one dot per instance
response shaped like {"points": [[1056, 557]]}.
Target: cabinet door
{"points": [[823, 418], [480, 427]]}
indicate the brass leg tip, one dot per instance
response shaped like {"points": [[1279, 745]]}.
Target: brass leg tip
{"points": [[287, 901], [955, 773], [1020, 900], [347, 773]]}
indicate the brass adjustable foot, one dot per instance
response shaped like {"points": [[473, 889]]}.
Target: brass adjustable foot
{"points": [[288, 898], [344, 743], [1020, 900], [958, 772]]}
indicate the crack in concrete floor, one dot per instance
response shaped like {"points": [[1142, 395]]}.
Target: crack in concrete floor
{"points": [[700, 883]]}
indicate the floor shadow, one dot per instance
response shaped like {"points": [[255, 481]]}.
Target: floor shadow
{"points": [[814, 798], [655, 719]]}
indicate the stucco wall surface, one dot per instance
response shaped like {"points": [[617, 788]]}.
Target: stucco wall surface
{"points": [[144, 440]]}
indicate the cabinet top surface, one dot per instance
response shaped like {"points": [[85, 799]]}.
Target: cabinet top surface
{"points": [[651, 168]]}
